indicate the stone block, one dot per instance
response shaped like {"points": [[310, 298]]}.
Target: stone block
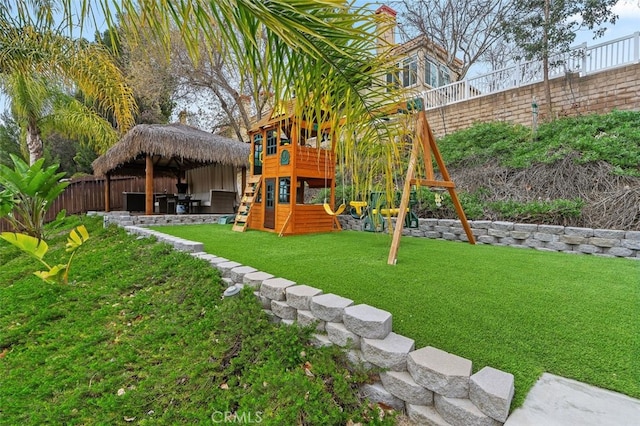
{"points": [[287, 322], [557, 246], [487, 239], [520, 235], [356, 360], [306, 318], [632, 235], [432, 234], [608, 233], [499, 233], [425, 415], [525, 227], [283, 310], [402, 385], [237, 274], [367, 321], [551, 229], [461, 411], [217, 260], [533, 243], [619, 251], [491, 391], [273, 318], [329, 307], [449, 236], [299, 296], [604, 242], [545, 236], [226, 267], [502, 226], [390, 352], [446, 222], [320, 340], [478, 232], [582, 232], [255, 279], [588, 248], [265, 302], [573, 239], [508, 241], [274, 288], [440, 371], [630, 244], [376, 393], [480, 224], [340, 336]]}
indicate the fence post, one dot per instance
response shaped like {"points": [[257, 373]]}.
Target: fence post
{"points": [[636, 47]]}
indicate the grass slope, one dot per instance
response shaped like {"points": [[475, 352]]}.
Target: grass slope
{"points": [[612, 137], [142, 336], [522, 311]]}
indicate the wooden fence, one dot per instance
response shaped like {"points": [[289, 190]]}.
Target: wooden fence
{"points": [[87, 194]]}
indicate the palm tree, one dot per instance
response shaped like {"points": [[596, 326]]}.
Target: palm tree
{"points": [[40, 67], [42, 108], [323, 51]]}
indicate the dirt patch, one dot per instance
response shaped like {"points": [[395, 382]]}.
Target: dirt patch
{"points": [[610, 201]]}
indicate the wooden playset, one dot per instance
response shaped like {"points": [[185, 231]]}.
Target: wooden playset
{"points": [[290, 155]]}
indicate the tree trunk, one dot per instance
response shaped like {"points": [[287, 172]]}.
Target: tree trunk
{"points": [[34, 143], [545, 61]]}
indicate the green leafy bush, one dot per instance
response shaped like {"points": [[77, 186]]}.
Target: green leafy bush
{"points": [[553, 211], [613, 137], [27, 194]]}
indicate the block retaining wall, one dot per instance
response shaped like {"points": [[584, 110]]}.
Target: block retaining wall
{"points": [[566, 239], [430, 385]]}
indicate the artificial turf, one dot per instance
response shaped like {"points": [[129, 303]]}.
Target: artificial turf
{"points": [[519, 310]]}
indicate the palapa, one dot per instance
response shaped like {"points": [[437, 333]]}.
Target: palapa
{"points": [[173, 147]]}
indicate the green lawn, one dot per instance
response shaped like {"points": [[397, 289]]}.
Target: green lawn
{"points": [[141, 335], [522, 311]]}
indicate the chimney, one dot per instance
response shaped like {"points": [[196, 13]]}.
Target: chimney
{"points": [[386, 25]]}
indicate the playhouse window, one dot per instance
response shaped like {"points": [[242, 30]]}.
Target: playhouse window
{"points": [[284, 191], [272, 142]]}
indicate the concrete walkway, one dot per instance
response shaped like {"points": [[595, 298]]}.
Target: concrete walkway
{"points": [[556, 401]]}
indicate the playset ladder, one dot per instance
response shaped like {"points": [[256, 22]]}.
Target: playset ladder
{"points": [[427, 142], [244, 209]]}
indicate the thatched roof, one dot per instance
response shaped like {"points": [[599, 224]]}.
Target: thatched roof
{"points": [[174, 147]]}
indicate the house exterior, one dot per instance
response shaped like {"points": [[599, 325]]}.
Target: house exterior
{"points": [[421, 62]]}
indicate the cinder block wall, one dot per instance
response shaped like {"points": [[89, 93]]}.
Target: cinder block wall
{"points": [[571, 95]]}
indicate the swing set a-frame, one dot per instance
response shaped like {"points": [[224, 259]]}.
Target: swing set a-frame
{"points": [[423, 142]]}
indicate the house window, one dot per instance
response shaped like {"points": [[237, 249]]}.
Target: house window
{"points": [[392, 81], [410, 71], [445, 78], [431, 74], [272, 142], [284, 190]]}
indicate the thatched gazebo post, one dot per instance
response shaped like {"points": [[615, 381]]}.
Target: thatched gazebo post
{"points": [[148, 186], [107, 192]]}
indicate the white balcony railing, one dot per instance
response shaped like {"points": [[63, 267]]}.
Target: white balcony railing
{"points": [[581, 59]]}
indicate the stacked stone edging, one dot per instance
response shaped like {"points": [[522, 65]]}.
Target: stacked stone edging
{"points": [[566, 239], [431, 385]]}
